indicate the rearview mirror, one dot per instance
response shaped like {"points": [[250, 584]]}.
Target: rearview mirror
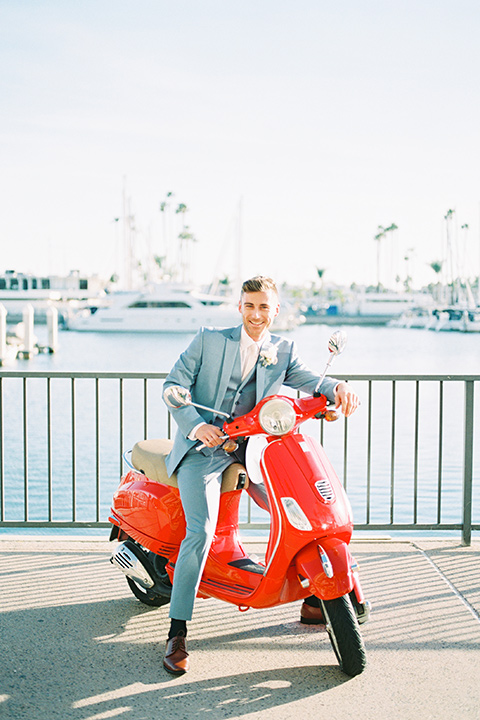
{"points": [[177, 396], [337, 342]]}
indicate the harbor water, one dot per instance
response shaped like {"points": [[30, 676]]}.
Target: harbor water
{"points": [[373, 350], [369, 351]]}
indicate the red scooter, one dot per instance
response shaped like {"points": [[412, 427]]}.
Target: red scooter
{"points": [[311, 522]]}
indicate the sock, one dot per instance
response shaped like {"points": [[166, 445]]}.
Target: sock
{"points": [[177, 626]]}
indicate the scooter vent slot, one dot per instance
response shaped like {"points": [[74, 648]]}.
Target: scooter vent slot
{"points": [[325, 489], [123, 560]]}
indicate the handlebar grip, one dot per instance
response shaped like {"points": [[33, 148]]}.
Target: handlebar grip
{"points": [[200, 447]]}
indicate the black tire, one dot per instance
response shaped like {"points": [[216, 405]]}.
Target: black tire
{"points": [[160, 593], [147, 596], [344, 633]]}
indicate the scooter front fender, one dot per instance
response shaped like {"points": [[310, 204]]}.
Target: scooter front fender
{"points": [[327, 564]]}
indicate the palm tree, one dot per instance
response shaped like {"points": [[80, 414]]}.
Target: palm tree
{"points": [[182, 208], [436, 266], [451, 280], [378, 238], [408, 277], [165, 204], [321, 272], [165, 207]]}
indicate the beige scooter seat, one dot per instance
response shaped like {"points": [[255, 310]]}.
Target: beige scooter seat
{"points": [[148, 456]]}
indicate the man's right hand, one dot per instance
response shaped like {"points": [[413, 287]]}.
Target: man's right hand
{"points": [[210, 435]]}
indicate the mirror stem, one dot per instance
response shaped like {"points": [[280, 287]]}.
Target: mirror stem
{"points": [[204, 407]]}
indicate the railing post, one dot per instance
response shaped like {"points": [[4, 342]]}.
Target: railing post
{"points": [[468, 464], [2, 467], [25, 451]]}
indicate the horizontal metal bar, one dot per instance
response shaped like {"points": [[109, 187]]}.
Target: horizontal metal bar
{"points": [[163, 375], [90, 374], [250, 526], [40, 525], [411, 526]]}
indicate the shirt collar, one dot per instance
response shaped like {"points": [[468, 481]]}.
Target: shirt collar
{"points": [[246, 340]]}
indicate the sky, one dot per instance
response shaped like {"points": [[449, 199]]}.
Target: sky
{"points": [[291, 131]]}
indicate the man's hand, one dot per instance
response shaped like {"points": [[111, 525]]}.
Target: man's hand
{"points": [[210, 435], [346, 398]]}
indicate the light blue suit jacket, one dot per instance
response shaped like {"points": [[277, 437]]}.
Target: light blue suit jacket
{"points": [[205, 369]]}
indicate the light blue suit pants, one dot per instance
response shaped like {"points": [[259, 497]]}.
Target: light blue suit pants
{"points": [[199, 480]]}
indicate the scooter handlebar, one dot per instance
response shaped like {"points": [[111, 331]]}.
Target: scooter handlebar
{"points": [[221, 437], [303, 409]]}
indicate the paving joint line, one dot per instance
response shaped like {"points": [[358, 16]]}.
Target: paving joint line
{"points": [[452, 587]]}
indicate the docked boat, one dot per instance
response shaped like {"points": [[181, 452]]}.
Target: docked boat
{"points": [[441, 319], [66, 293], [418, 318], [166, 308], [472, 321], [366, 308], [457, 319]]}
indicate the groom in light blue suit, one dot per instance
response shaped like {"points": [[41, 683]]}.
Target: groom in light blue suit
{"points": [[230, 370]]}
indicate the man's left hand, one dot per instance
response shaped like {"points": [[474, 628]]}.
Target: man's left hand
{"points": [[346, 398]]}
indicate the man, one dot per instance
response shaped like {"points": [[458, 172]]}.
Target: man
{"points": [[221, 368]]}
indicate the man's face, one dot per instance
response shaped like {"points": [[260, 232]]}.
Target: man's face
{"points": [[259, 309]]}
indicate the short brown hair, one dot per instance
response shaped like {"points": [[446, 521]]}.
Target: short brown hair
{"points": [[259, 283]]}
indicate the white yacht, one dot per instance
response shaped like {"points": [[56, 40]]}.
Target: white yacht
{"points": [[418, 317], [457, 319], [164, 308], [67, 292], [363, 307]]}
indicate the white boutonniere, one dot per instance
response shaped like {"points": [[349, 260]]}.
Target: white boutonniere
{"points": [[268, 356]]}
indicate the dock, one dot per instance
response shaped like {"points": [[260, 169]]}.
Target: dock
{"points": [[76, 644], [24, 344]]}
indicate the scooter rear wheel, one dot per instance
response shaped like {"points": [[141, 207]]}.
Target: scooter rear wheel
{"points": [[344, 633], [155, 565], [148, 597]]}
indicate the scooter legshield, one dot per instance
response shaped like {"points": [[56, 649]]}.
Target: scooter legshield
{"points": [[311, 565]]}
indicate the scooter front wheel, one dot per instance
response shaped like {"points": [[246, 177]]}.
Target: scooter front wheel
{"points": [[344, 633]]}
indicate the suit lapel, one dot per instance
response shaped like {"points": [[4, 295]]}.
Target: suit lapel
{"points": [[262, 369], [232, 349], [231, 353]]}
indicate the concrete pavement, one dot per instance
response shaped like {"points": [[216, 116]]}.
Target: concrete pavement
{"points": [[75, 644]]}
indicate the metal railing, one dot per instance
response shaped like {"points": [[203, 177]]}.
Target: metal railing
{"points": [[406, 457]]}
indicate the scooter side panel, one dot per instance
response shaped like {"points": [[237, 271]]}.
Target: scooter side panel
{"points": [[152, 512], [240, 587]]}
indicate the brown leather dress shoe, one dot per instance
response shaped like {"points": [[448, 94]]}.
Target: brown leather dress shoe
{"points": [[311, 615], [176, 656]]}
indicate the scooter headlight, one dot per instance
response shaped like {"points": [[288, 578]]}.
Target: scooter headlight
{"points": [[277, 417]]}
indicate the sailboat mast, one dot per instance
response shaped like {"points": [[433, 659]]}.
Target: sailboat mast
{"points": [[239, 249]]}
